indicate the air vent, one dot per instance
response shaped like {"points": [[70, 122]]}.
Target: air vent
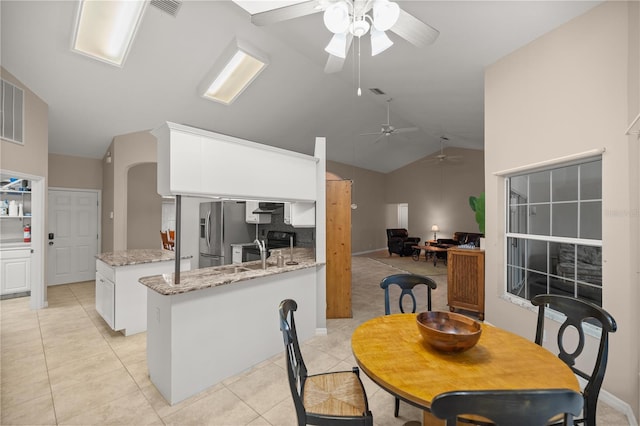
{"points": [[377, 91], [168, 6], [11, 112]]}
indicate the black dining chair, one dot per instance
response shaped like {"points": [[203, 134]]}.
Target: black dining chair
{"points": [[336, 398], [577, 312], [407, 283], [528, 407]]}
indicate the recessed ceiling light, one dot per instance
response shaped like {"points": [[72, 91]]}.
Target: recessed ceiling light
{"points": [[234, 70], [105, 29]]}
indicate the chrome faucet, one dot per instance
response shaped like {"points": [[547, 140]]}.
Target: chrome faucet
{"points": [[263, 252]]}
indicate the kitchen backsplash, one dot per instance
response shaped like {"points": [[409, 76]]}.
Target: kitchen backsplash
{"points": [[305, 237]]}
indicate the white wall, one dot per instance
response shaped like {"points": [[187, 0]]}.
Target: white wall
{"points": [[568, 92]]}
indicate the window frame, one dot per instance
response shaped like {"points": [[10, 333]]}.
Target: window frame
{"points": [[578, 159]]}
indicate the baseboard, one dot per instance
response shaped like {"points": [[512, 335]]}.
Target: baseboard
{"points": [[321, 332], [368, 251], [614, 402]]}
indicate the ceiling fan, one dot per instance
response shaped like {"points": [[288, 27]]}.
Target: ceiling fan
{"points": [[349, 18], [387, 129], [442, 157]]}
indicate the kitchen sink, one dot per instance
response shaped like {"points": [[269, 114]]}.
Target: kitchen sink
{"points": [[235, 269]]}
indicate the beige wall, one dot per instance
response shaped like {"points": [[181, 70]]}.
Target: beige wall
{"points": [[368, 192], [107, 200], [144, 208], [31, 157], [438, 192], [565, 93], [66, 171], [126, 151]]}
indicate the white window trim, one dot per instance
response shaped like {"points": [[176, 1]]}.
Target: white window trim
{"points": [[589, 329]]}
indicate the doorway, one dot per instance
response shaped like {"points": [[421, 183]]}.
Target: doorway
{"points": [[403, 215], [73, 236]]}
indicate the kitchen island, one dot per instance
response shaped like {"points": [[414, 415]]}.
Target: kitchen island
{"points": [[220, 321], [120, 299]]}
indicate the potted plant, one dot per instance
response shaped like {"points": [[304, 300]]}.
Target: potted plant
{"points": [[477, 205]]}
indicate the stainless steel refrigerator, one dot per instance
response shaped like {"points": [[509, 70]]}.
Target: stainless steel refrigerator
{"points": [[222, 223]]}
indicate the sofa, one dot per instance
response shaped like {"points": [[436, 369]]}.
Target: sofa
{"points": [[399, 242]]}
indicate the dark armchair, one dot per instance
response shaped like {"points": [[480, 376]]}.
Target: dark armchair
{"points": [[399, 241]]}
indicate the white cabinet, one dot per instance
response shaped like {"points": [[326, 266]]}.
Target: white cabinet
{"points": [[197, 162], [120, 299], [15, 267], [300, 214], [252, 217], [105, 299]]}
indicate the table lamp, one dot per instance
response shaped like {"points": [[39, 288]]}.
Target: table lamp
{"points": [[435, 229]]}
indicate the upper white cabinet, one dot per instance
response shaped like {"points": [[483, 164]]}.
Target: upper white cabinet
{"points": [[197, 162], [251, 217], [300, 214]]}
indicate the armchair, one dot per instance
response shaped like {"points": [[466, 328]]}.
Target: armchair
{"points": [[399, 241]]}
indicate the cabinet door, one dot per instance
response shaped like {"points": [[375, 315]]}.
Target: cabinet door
{"points": [[15, 268], [105, 299]]}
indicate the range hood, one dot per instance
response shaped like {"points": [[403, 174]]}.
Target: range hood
{"points": [[267, 208]]}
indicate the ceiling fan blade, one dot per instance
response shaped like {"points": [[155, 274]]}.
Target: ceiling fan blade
{"points": [[285, 13], [380, 137], [334, 63], [414, 30], [406, 130], [371, 134]]}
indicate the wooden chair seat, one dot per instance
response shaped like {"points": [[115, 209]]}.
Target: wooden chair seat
{"points": [[340, 393]]}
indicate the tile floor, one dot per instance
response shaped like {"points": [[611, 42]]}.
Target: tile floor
{"points": [[63, 365]]}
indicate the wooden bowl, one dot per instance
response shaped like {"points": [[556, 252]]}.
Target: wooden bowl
{"points": [[448, 331]]}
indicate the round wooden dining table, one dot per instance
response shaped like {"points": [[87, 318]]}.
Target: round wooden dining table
{"points": [[390, 350]]}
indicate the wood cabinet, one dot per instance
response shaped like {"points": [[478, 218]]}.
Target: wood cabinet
{"points": [[338, 288], [15, 271], [465, 280]]}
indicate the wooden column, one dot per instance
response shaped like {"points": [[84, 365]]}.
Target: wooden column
{"points": [[338, 287]]}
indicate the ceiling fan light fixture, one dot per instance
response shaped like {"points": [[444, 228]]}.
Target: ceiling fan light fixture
{"points": [[336, 17], [337, 45], [379, 41], [385, 14], [359, 27]]}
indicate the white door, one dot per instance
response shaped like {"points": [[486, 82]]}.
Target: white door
{"points": [[72, 237], [403, 216]]}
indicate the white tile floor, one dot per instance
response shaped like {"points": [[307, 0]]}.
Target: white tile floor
{"points": [[63, 365]]}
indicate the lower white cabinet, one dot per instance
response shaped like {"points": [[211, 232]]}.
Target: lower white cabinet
{"points": [[105, 299], [121, 300], [15, 271]]}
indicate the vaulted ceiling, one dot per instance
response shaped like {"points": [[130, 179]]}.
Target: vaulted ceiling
{"points": [[437, 88]]}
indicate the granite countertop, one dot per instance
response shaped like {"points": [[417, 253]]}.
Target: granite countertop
{"points": [[136, 256], [199, 279]]}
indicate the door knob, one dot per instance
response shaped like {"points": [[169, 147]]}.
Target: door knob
{"points": [[50, 243]]}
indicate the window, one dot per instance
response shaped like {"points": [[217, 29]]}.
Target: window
{"points": [[554, 232], [11, 112]]}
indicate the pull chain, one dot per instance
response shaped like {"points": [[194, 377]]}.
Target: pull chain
{"points": [[359, 90]]}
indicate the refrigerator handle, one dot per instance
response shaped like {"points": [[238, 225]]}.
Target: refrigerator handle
{"points": [[207, 229]]}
